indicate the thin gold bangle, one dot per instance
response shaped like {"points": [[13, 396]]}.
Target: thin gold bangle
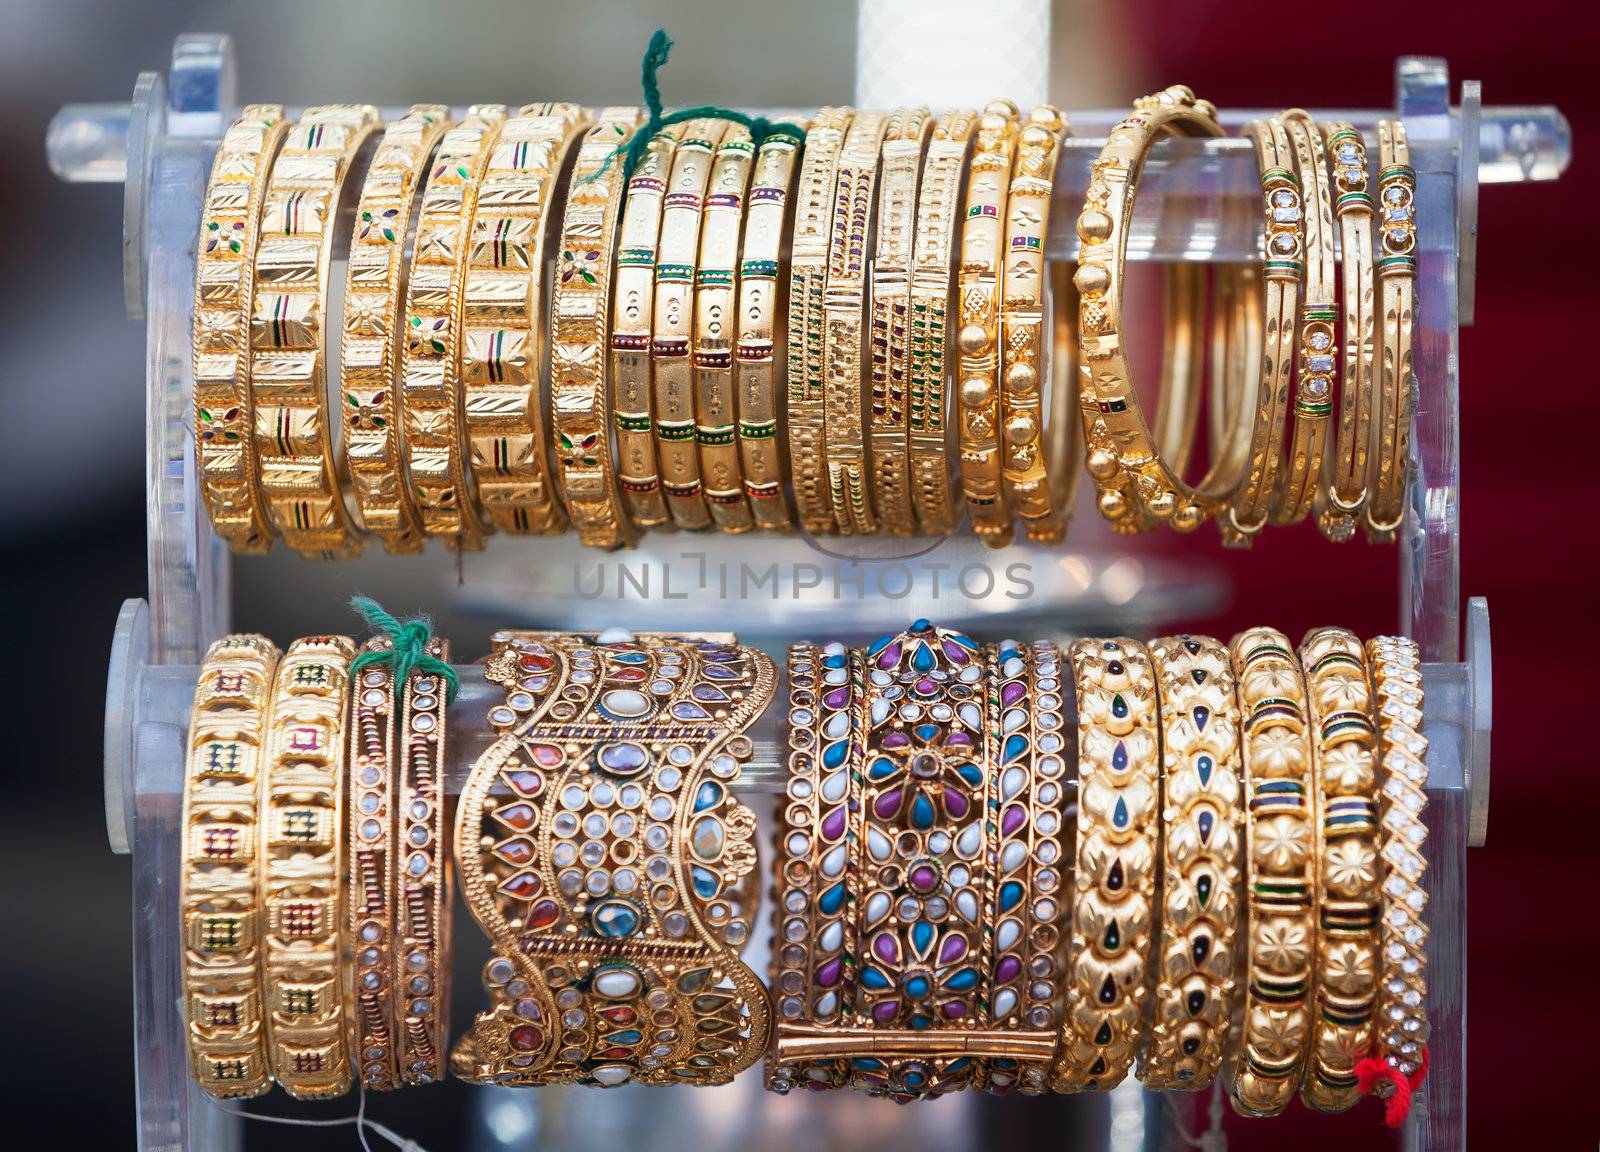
{"points": [[224, 287], [288, 331], [219, 886], [502, 321], [1397, 276]]}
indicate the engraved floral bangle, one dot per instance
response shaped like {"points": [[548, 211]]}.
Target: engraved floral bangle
{"points": [[1119, 772], [1280, 871], [302, 869], [219, 893], [1347, 937], [224, 285], [289, 328], [755, 370], [369, 360], [1201, 920], [1397, 276]]}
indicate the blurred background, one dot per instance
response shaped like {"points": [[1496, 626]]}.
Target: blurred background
{"points": [[72, 523]]}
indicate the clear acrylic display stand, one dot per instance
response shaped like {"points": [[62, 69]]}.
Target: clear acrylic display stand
{"points": [[1198, 201]]}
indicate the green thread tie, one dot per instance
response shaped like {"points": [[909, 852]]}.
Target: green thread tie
{"points": [[655, 55], [409, 652]]}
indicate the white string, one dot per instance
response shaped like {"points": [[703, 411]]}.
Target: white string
{"points": [[405, 1144]]}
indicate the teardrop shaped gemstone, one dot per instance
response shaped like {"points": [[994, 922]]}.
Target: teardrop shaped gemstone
{"points": [[873, 979], [834, 754], [518, 816], [1012, 855], [1013, 691], [1201, 715], [707, 795], [829, 971], [879, 846], [1119, 757], [922, 658], [1010, 893], [954, 650], [1013, 719], [1119, 706], [1012, 781], [836, 698], [1196, 1002], [523, 782], [704, 881], [1112, 940], [886, 805], [1102, 1035], [1203, 765], [1108, 991], [1206, 822], [1009, 932], [885, 1010], [1009, 968], [1114, 876], [1016, 744], [970, 773], [967, 905], [953, 948], [953, 1009], [881, 768], [1201, 950], [922, 936], [963, 980], [522, 886], [543, 914], [956, 804], [689, 710], [1202, 889], [890, 656], [969, 839], [886, 948], [709, 694], [833, 824], [1004, 1001], [1119, 814], [922, 814], [877, 906], [895, 739], [518, 850], [831, 900], [1012, 820]]}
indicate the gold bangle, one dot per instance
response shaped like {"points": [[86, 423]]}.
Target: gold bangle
{"points": [[938, 203], [754, 366], [638, 472], [371, 903], [422, 879], [1397, 274], [1280, 871], [805, 365], [1402, 1030], [1319, 317], [844, 299], [904, 138], [579, 339], [1347, 938], [715, 296], [1282, 272], [977, 340], [302, 869], [219, 888], [224, 286], [502, 321], [288, 330], [1202, 842], [1119, 770], [672, 323], [431, 365], [1022, 458], [370, 356], [1342, 499]]}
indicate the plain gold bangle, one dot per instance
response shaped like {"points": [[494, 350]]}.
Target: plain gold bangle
{"points": [[1397, 276]]}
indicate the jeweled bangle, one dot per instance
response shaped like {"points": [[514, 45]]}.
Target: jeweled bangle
{"points": [[889, 343], [302, 869], [502, 321], [1022, 328], [422, 880], [1202, 846], [977, 338], [219, 890], [1347, 939], [844, 299], [1119, 769], [715, 295], [1402, 1030], [370, 904], [430, 370], [938, 206], [288, 331], [603, 851], [1316, 364], [1397, 276], [1282, 271], [369, 359], [1342, 498], [755, 373], [638, 473], [1280, 871], [806, 362], [224, 287]]}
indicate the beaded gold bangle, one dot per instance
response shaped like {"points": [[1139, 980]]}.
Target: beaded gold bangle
{"points": [[502, 321], [224, 287], [219, 889], [579, 337], [370, 355], [889, 344], [1119, 770], [1342, 498], [754, 367], [1402, 1030], [1347, 939], [977, 339], [1201, 921], [1397, 275], [430, 371], [805, 366], [302, 869], [715, 295], [1280, 871], [938, 205], [288, 330], [1022, 331], [638, 473]]}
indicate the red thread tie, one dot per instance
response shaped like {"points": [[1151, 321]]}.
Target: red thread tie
{"points": [[1372, 1073]]}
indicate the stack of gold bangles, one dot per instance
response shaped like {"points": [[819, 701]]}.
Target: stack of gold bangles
{"points": [[798, 328]]}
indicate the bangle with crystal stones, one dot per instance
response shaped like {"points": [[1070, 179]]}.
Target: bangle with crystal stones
{"points": [[1397, 276]]}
